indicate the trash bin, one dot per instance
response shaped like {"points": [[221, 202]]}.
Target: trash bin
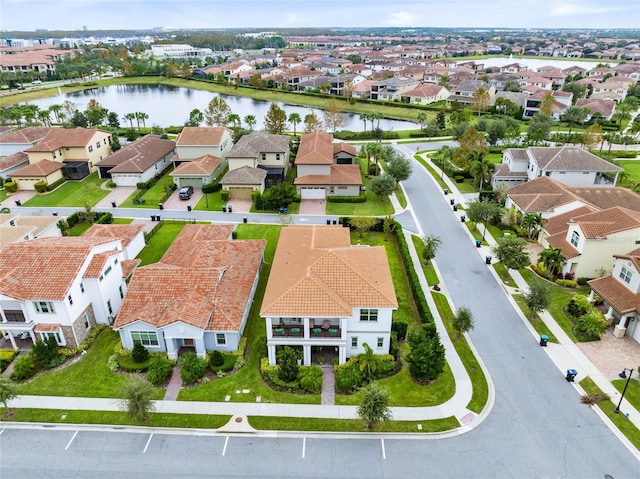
{"points": [[161, 206], [455, 207], [157, 217], [188, 207], [543, 339], [153, 217], [446, 191], [571, 374], [328, 222], [487, 259], [55, 213], [436, 287], [229, 209], [113, 204], [335, 222], [244, 219], [462, 218], [452, 201], [18, 202], [224, 208], [478, 243]]}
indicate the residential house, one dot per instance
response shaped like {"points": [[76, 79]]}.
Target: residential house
{"points": [[16, 141], [194, 142], [263, 150], [14, 227], [466, 90], [197, 172], [197, 297], [243, 181], [513, 68], [425, 94], [139, 161], [620, 292], [131, 236], [61, 287], [324, 292], [605, 107], [12, 163], [610, 89], [325, 169], [561, 101], [569, 165], [391, 89]]}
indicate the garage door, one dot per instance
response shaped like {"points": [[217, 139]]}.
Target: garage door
{"points": [[195, 182], [313, 193], [240, 192]]}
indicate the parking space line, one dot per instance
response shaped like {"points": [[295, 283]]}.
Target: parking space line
{"points": [[304, 446], [147, 445], [224, 450], [384, 454], [71, 440], [1, 432]]}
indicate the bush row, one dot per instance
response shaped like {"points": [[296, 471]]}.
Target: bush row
{"points": [[88, 341], [6, 356], [361, 198], [309, 378], [55, 184]]}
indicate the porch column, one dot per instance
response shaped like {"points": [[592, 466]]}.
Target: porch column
{"points": [[609, 314], [592, 296], [12, 339], [305, 326], [342, 354], [271, 349], [621, 327], [306, 355], [170, 345]]}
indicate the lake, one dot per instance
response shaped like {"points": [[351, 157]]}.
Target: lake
{"points": [[170, 106]]}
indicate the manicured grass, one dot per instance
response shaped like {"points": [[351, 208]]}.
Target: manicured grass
{"points": [[152, 196], [88, 377], [494, 158], [122, 221], [631, 168], [72, 193], [349, 425], [401, 198], [214, 201], [633, 391], [79, 229], [159, 243], [476, 232], [429, 271], [625, 426], [431, 171], [3, 194], [466, 186], [480, 394], [537, 323], [504, 275], [560, 297], [200, 421]]}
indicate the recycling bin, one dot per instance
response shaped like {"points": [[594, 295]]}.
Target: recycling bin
{"points": [[462, 218], [543, 339], [487, 259], [113, 204], [571, 375], [229, 209], [446, 191], [160, 206], [224, 208], [188, 207], [455, 207], [478, 243], [452, 201], [244, 219]]}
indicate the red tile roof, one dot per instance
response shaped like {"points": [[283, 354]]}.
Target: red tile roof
{"points": [[340, 175], [40, 169], [126, 233], [201, 135], [57, 138], [316, 148]]}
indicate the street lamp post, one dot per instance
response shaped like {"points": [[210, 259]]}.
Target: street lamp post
{"points": [[623, 375]]}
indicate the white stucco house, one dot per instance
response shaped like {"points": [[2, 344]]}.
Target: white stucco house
{"points": [[196, 141]]}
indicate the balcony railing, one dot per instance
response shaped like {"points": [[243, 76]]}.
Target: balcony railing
{"points": [[288, 331]]}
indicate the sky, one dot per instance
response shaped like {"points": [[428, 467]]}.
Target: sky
{"points": [[270, 14]]}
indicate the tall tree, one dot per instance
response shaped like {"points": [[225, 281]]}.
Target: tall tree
{"points": [[422, 119], [532, 222], [480, 167], [333, 116], [539, 128], [234, 119], [383, 185], [276, 120], [482, 212], [575, 115], [398, 167], [538, 297], [470, 140], [217, 112], [295, 120], [481, 99], [431, 244], [546, 104], [510, 251], [362, 224], [462, 321], [312, 122], [250, 120], [553, 260], [196, 117]]}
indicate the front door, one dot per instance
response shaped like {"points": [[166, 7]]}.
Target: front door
{"points": [[188, 343]]}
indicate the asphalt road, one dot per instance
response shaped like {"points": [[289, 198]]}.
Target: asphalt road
{"points": [[537, 428]]}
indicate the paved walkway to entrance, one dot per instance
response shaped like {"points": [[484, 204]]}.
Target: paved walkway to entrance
{"points": [[328, 385], [175, 384], [312, 207], [611, 355]]}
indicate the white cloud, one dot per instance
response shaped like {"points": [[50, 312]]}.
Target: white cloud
{"points": [[401, 19], [568, 9]]}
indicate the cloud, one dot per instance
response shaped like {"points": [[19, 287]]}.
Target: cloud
{"points": [[401, 19], [568, 9]]}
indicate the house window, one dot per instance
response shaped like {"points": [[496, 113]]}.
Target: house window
{"points": [[575, 237], [221, 339], [368, 315], [90, 148], [97, 144], [115, 261], [107, 271], [101, 278], [264, 157], [85, 321], [277, 156], [81, 287], [70, 300], [146, 338], [121, 292], [55, 336], [563, 172], [45, 307], [380, 343], [354, 341], [109, 306], [625, 275]]}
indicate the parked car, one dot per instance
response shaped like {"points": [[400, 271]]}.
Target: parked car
{"points": [[36, 82], [185, 192]]}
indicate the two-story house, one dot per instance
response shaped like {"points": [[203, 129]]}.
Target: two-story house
{"points": [[197, 297], [326, 169], [465, 91], [324, 292], [61, 287], [569, 165], [63, 153], [620, 291], [14, 227]]}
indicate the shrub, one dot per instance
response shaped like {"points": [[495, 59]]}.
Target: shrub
{"points": [[579, 305], [40, 186], [224, 195], [394, 348], [111, 184], [159, 370], [240, 362], [567, 283], [45, 354], [361, 198], [192, 367], [320, 359], [591, 326], [310, 379], [55, 184], [127, 364], [348, 376], [400, 328], [11, 186], [215, 360], [139, 353], [459, 179], [288, 361], [583, 281], [112, 363], [6, 356], [211, 187], [23, 368]]}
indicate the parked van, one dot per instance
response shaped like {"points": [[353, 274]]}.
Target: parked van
{"points": [[185, 192]]}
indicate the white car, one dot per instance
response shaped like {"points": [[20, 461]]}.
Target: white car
{"points": [[36, 82]]}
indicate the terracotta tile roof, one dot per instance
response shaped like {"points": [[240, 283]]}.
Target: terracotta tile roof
{"points": [[316, 148], [57, 138], [37, 269], [517, 153], [251, 145], [204, 165], [129, 266], [604, 197], [316, 272], [559, 223], [606, 107], [570, 158], [11, 234], [126, 233], [140, 155], [426, 90], [37, 224], [244, 176], [340, 175], [344, 147], [41, 168], [201, 135], [601, 224], [201, 280], [28, 135], [10, 161], [560, 241], [633, 256], [47, 328], [617, 295], [97, 264], [502, 170]]}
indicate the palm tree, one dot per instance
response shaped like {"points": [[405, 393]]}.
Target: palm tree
{"points": [[623, 113], [377, 117], [365, 117], [142, 116], [369, 363], [480, 167], [250, 120], [422, 119], [532, 222], [45, 117], [446, 153], [553, 259], [234, 119], [55, 109], [294, 119], [573, 115]]}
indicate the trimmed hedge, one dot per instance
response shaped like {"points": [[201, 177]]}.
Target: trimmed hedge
{"points": [[361, 198], [40, 186], [11, 186], [270, 375], [6, 356], [55, 184]]}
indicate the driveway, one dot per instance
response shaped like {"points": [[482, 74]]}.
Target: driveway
{"points": [[240, 205], [118, 194], [313, 207], [175, 203], [10, 202], [611, 355]]}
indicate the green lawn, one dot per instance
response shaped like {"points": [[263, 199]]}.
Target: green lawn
{"points": [[160, 242], [152, 196], [429, 271], [122, 221], [72, 193], [631, 168], [401, 198], [504, 275], [560, 297], [633, 391], [625, 426], [88, 377], [3, 194], [213, 201]]}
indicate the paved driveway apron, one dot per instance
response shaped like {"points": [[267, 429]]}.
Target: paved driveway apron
{"points": [[538, 426]]}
